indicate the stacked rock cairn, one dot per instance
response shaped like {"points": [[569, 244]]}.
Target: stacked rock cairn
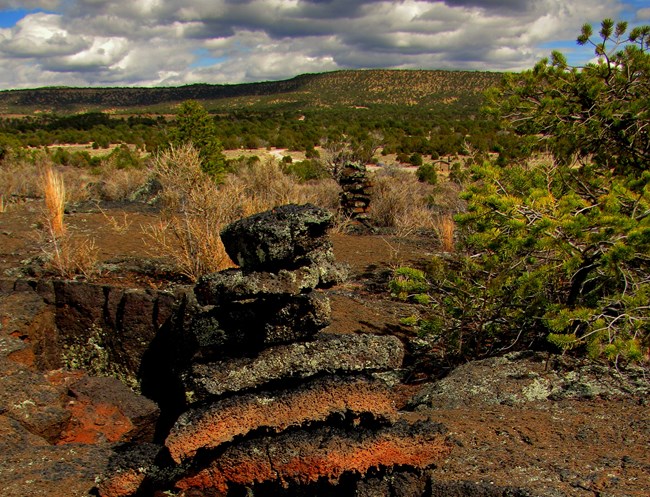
{"points": [[355, 195], [275, 404]]}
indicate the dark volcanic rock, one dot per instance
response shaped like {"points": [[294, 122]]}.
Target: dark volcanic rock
{"points": [[329, 354], [267, 241], [327, 453], [29, 399], [107, 330], [29, 466], [220, 422], [355, 195], [233, 285], [239, 329], [128, 469]]}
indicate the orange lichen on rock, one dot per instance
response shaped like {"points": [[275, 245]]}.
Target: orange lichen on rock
{"points": [[223, 421], [305, 457], [94, 423]]}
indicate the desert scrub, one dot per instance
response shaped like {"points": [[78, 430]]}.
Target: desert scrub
{"points": [[195, 208], [193, 214], [65, 255], [400, 201]]}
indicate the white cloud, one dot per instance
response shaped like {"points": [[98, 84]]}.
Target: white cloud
{"points": [[149, 42], [40, 35], [29, 4]]}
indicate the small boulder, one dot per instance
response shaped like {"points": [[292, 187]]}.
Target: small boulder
{"points": [[280, 238]]}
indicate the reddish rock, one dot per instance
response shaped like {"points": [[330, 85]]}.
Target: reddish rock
{"points": [[29, 466], [304, 457], [104, 410], [122, 484], [222, 421], [32, 401], [25, 315], [128, 470]]}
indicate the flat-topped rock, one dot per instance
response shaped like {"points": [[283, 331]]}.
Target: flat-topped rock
{"points": [[327, 453], [283, 237], [210, 426], [233, 285], [238, 329], [329, 354]]}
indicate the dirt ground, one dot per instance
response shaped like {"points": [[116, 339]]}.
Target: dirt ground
{"points": [[548, 430]]}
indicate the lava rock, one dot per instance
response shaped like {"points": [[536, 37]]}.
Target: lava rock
{"points": [[128, 470], [330, 354], [233, 285], [30, 399], [306, 456], [282, 237], [239, 329], [104, 409], [210, 426]]}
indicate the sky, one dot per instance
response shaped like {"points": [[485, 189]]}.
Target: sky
{"points": [[169, 43]]}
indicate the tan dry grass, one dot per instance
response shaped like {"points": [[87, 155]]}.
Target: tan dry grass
{"points": [[19, 179], [264, 185], [445, 227], [121, 184], [69, 257], [66, 256], [54, 196], [193, 214], [195, 209], [399, 202]]}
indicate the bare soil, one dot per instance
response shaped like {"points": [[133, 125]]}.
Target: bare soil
{"points": [[582, 443]]}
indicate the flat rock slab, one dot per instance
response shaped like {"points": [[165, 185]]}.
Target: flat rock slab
{"points": [[29, 466], [30, 399], [278, 238], [330, 354], [303, 457], [243, 327], [104, 409], [233, 285], [208, 427]]}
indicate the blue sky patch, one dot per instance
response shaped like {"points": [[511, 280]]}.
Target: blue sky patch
{"points": [[204, 59], [9, 18]]}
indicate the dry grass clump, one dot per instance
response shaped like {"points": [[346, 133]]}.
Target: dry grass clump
{"points": [[195, 209], [264, 186], [120, 183], [445, 228], [399, 201], [65, 256], [193, 213], [19, 179], [54, 195]]}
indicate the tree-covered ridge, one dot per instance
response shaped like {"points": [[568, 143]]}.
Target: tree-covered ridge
{"points": [[339, 88]]}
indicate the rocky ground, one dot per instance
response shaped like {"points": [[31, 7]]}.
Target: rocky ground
{"points": [[522, 424]]}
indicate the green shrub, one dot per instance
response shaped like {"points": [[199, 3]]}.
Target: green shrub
{"points": [[426, 173]]}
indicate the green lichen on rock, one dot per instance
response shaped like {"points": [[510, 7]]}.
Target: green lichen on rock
{"points": [[92, 355]]}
